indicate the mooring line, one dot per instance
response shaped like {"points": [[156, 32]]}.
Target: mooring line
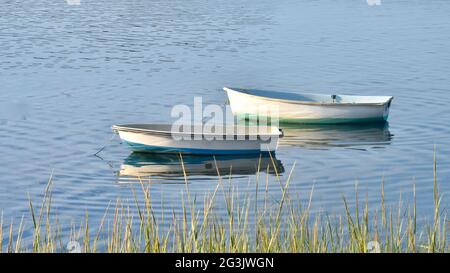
{"points": [[102, 148]]}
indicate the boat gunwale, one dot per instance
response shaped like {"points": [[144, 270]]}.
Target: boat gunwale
{"points": [[226, 89], [125, 128]]}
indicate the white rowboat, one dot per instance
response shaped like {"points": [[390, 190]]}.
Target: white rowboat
{"points": [[159, 138], [308, 108]]}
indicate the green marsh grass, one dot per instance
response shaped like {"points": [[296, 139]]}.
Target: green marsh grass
{"points": [[283, 225]]}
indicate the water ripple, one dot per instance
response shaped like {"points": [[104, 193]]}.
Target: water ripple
{"points": [[68, 73]]}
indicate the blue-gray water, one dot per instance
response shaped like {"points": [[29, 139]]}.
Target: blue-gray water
{"points": [[68, 72]]}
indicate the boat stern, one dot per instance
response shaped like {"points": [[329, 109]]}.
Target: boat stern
{"points": [[387, 107]]}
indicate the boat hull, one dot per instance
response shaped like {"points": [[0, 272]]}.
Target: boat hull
{"points": [[249, 107], [157, 143]]}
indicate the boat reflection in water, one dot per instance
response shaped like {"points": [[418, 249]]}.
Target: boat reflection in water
{"points": [[374, 135], [145, 166]]}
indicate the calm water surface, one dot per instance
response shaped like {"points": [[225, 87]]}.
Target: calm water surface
{"points": [[67, 73]]}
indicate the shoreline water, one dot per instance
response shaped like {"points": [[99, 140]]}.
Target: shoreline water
{"points": [[281, 225]]}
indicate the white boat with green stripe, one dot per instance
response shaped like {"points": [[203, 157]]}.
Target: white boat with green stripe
{"points": [[308, 108]]}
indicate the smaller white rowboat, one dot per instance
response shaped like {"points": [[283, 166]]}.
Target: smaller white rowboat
{"points": [[159, 138], [308, 108]]}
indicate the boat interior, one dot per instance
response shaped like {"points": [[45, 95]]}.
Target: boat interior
{"points": [[316, 98], [204, 129]]}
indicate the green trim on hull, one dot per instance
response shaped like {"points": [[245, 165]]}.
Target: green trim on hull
{"points": [[318, 121]]}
